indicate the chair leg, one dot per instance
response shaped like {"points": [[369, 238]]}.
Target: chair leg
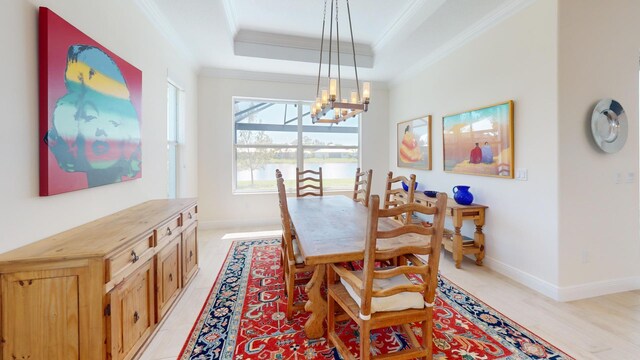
{"points": [[365, 340], [290, 293], [427, 334]]}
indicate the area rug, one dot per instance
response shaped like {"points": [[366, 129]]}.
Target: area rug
{"points": [[244, 318]]}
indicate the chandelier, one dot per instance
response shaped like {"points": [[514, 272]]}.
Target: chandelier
{"points": [[334, 98]]}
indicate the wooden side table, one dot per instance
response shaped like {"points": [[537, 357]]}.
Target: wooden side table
{"points": [[456, 243]]}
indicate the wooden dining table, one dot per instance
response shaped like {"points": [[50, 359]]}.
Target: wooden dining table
{"points": [[329, 229]]}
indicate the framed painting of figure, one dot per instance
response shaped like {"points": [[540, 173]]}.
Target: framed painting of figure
{"points": [[480, 141], [90, 111], [414, 143]]}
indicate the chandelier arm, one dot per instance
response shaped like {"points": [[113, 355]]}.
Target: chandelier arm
{"points": [[353, 47], [324, 17], [330, 39], [339, 92]]}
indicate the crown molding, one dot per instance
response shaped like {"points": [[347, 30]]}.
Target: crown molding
{"points": [[162, 24], [274, 77], [501, 13], [393, 31], [231, 15], [297, 48]]}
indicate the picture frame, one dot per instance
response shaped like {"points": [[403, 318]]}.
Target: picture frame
{"points": [[413, 146], [90, 111], [480, 141]]}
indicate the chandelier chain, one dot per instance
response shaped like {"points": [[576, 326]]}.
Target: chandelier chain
{"points": [[330, 39], [339, 92], [353, 47], [324, 18]]}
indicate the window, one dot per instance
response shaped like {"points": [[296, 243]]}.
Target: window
{"points": [[271, 135], [173, 121]]}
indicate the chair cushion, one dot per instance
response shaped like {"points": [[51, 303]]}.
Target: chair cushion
{"points": [[397, 302], [296, 253]]}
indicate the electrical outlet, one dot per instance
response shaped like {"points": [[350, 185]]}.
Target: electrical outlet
{"points": [[618, 178], [631, 176]]}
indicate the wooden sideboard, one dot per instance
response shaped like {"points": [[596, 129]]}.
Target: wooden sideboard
{"points": [[98, 291], [455, 242]]}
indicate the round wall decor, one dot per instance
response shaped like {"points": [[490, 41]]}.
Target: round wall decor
{"points": [[609, 125]]}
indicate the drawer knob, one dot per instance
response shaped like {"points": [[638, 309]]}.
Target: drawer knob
{"points": [[136, 317], [134, 256], [169, 231], [189, 215], [170, 277]]}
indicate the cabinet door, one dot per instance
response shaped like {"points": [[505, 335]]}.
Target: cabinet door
{"points": [[132, 309], [167, 276], [189, 253], [40, 315]]}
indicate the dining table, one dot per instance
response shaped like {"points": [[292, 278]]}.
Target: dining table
{"points": [[329, 229]]}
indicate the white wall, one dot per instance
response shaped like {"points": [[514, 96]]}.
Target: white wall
{"points": [[514, 60], [120, 26], [599, 43], [218, 207]]}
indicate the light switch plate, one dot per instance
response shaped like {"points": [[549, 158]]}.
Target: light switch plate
{"points": [[522, 174]]}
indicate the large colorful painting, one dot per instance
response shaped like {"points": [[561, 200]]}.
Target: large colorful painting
{"points": [[90, 111], [414, 143], [480, 141]]}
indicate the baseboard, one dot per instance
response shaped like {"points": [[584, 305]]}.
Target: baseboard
{"points": [[565, 293], [598, 288], [227, 224], [542, 286]]}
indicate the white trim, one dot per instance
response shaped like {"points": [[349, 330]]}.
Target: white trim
{"points": [[162, 24], [503, 12], [406, 18], [598, 288], [565, 293], [542, 286], [230, 15], [275, 77]]}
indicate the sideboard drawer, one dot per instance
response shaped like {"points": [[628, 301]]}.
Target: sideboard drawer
{"points": [[125, 262], [167, 231], [189, 217]]}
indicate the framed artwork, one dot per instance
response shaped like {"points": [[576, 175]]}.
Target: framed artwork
{"points": [[480, 141], [90, 111], [414, 143]]}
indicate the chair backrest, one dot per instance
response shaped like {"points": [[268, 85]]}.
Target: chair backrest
{"points": [[394, 193], [284, 216], [407, 241], [362, 186], [308, 182]]}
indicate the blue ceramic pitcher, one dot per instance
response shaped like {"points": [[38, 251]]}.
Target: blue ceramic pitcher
{"points": [[462, 195]]}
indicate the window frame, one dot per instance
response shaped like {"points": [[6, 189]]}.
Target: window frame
{"points": [[300, 147]]}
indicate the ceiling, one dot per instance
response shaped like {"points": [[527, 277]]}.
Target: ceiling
{"points": [[393, 37]]}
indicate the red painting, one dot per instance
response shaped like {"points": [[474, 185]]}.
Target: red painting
{"points": [[90, 111]]}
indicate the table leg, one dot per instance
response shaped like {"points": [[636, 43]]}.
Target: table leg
{"points": [[457, 247], [457, 239], [478, 239], [316, 304]]}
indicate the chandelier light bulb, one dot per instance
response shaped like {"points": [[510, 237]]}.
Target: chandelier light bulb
{"points": [[366, 92], [354, 97], [333, 89]]}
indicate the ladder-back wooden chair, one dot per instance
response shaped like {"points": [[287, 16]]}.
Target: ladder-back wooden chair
{"points": [[395, 194], [293, 261], [362, 186], [382, 297], [308, 182]]}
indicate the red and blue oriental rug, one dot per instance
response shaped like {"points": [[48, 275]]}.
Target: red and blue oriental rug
{"points": [[244, 318]]}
